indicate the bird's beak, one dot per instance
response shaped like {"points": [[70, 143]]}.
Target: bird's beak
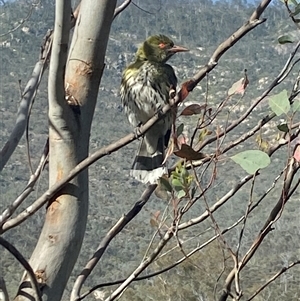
{"points": [[176, 48]]}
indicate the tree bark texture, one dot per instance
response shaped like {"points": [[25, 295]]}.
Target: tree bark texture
{"points": [[74, 79]]}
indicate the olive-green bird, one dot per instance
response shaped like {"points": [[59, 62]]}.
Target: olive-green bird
{"points": [[145, 89]]}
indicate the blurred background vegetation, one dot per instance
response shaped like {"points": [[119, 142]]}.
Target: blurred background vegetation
{"points": [[201, 26]]}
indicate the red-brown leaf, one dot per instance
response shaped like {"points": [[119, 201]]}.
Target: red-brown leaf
{"points": [[188, 153], [192, 110]]}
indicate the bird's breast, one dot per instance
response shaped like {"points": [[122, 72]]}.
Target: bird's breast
{"points": [[143, 94]]}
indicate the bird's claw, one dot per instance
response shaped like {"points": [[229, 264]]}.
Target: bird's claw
{"points": [[137, 132], [159, 110]]}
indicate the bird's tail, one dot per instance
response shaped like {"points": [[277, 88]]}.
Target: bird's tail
{"points": [[148, 168]]}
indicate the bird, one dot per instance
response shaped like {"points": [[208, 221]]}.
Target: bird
{"points": [[145, 89]]}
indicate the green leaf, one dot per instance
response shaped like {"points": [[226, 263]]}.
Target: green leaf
{"points": [[252, 160], [283, 128], [181, 194], [180, 129], [203, 134], [165, 184], [177, 184], [297, 10], [290, 2], [193, 191], [279, 103], [296, 106], [285, 39]]}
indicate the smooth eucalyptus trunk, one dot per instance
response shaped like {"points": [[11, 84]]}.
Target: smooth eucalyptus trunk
{"points": [[73, 89]]}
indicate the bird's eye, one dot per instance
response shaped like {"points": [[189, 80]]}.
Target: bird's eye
{"points": [[162, 45]]}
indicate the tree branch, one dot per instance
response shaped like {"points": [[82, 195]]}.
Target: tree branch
{"points": [[121, 7]]}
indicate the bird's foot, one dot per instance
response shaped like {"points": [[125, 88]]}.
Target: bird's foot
{"points": [[159, 111], [136, 130]]}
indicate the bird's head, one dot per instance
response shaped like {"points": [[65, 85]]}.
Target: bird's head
{"points": [[158, 49]]}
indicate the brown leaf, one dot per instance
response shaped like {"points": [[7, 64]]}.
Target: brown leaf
{"points": [[192, 110], [161, 193], [184, 92], [188, 153], [153, 222]]}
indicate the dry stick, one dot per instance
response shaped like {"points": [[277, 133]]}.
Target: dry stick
{"points": [[275, 147], [227, 44], [9, 247], [117, 228], [143, 265], [241, 235], [293, 167], [216, 205], [275, 214]]}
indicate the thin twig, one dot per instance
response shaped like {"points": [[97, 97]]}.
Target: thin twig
{"points": [[9, 247], [21, 22]]}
